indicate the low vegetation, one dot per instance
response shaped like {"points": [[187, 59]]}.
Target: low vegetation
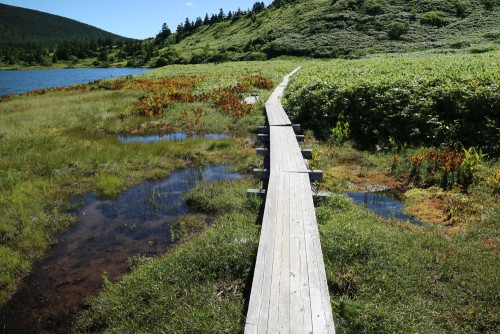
{"points": [[56, 144], [200, 286], [384, 276], [393, 277], [312, 28], [428, 100]]}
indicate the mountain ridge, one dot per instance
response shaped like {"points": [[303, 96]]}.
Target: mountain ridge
{"points": [[20, 26], [338, 28], [304, 28]]}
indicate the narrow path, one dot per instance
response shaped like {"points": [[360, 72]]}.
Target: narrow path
{"points": [[289, 290]]}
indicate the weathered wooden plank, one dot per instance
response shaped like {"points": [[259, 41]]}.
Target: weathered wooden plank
{"points": [[285, 152], [279, 308], [284, 313], [276, 115], [320, 300], [300, 302], [258, 303], [294, 151]]}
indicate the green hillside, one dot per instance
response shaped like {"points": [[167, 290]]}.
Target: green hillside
{"points": [[339, 28], [20, 26]]}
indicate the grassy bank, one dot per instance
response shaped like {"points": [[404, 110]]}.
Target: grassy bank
{"points": [[383, 276], [61, 143], [198, 287], [390, 277]]}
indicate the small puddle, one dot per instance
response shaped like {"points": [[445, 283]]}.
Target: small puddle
{"points": [[176, 136], [383, 205], [109, 232]]}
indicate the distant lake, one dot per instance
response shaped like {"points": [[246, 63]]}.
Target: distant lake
{"points": [[17, 82]]}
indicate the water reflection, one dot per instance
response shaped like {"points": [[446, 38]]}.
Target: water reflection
{"points": [[176, 136], [108, 233], [384, 206]]}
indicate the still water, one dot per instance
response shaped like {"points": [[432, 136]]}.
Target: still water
{"points": [[18, 82], [383, 205], [176, 136], [108, 233]]}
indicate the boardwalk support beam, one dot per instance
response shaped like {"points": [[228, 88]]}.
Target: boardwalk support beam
{"points": [[316, 175], [251, 193], [261, 174]]}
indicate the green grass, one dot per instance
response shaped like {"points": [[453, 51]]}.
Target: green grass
{"points": [[59, 144], [344, 28], [411, 100], [198, 287], [389, 277], [383, 276]]}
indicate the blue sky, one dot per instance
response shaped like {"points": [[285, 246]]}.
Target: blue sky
{"points": [[132, 18]]}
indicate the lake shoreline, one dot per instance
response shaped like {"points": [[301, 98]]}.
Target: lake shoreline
{"points": [[23, 81]]}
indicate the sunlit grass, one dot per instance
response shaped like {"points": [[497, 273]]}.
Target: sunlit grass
{"points": [[55, 145], [196, 288], [390, 277]]}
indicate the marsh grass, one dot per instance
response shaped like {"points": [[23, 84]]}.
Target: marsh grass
{"points": [[198, 287], [59, 144], [390, 277]]}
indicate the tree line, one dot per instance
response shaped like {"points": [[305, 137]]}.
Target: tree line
{"points": [[103, 49], [189, 26]]}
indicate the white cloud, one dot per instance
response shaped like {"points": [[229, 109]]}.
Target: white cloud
{"points": [[190, 4]]}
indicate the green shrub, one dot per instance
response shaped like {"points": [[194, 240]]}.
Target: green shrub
{"points": [[374, 8], [481, 49], [396, 29], [488, 4], [434, 18], [460, 8], [460, 45], [255, 56], [438, 100]]}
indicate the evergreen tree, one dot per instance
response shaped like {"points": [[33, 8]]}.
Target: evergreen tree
{"points": [[103, 56], [258, 7], [163, 34], [221, 15], [198, 23]]}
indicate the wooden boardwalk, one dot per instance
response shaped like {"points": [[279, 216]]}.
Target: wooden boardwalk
{"points": [[289, 290]]}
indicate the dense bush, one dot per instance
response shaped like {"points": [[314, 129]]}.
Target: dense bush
{"points": [[396, 29], [432, 100], [434, 18]]}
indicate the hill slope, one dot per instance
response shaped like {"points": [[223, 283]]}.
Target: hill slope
{"points": [[20, 26], [326, 28]]}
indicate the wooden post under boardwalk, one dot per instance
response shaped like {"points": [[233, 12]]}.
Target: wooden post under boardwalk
{"points": [[289, 290]]}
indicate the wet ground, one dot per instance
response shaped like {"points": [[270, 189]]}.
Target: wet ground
{"points": [[176, 136], [383, 205], [108, 234]]}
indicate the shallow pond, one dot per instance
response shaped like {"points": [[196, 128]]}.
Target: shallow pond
{"points": [[176, 136], [383, 205], [109, 232]]}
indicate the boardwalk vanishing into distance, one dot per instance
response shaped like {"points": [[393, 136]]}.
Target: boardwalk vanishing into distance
{"points": [[289, 290]]}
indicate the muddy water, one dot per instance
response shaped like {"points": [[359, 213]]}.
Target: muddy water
{"points": [[383, 205], [109, 232]]}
